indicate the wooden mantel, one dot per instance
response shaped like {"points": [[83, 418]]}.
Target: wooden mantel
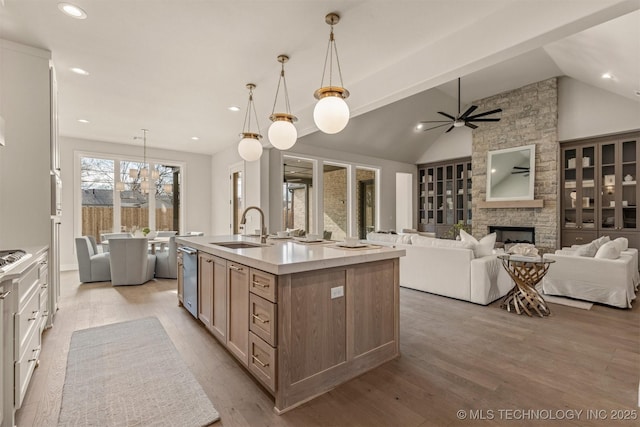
{"points": [[538, 203]]}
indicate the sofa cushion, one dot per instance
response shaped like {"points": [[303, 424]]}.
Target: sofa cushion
{"points": [[608, 250], [481, 248], [404, 239], [622, 243], [446, 243], [382, 237], [418, 240], [588, 250]]}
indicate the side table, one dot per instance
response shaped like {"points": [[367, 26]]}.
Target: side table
{"points": [[526, 273]]}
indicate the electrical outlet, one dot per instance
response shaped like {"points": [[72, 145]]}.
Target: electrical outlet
{"points": [[337, 292]]}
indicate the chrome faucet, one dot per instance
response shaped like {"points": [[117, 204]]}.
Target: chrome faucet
{"points": [[263, 229]]}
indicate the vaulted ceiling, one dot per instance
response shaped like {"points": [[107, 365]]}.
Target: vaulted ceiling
{"points": [[175, 66]]}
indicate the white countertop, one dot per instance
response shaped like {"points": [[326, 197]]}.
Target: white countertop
{"points": [[286, 256], [15, 272]]}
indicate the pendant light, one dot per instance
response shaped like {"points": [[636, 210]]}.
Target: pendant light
{"points": [[282, 132], [331, 113], [250, 148]]}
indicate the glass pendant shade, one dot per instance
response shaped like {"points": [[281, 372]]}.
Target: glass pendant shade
{"points": [[282, 134], [119, 186], [133, 173], [144, 172], [250, 148], [168, 188], [331, 114], [144, 186]]}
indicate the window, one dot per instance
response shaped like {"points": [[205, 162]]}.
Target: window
{"points": [[106, 208]]}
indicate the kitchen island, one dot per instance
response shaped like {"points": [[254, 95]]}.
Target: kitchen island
{"points": [[301, 317]]}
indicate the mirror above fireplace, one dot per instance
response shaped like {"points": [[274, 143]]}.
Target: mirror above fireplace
{"points": [[511, 173]]}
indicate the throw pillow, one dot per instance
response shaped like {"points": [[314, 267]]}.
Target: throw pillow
{"points": [[622, 243], [588, 250], [601, 241], [382, 237], [481, 248], [608, 251]]}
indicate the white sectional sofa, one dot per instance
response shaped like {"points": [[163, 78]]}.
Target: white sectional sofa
{"points": [[447, 267]]}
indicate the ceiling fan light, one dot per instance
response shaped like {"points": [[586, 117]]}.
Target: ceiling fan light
{"points": [[249, 147], [282, 134], [458, 123]]}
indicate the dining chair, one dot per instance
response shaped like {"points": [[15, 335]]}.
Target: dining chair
{"points": [[131, 264], [92, 266], [104, 239], [167, 261]]}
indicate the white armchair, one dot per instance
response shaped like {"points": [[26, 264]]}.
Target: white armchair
{"points": [[606, 281], [131, 264], [92, 266]]}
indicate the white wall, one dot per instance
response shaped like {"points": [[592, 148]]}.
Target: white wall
{"points": [[585, 111], [404, 201], [196, 193], [452, 145], [256, 190]]}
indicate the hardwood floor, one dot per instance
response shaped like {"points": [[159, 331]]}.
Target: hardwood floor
{"points": [[454, 356]]}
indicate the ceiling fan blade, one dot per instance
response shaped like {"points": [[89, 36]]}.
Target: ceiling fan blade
{"points": [[436, 127], [449, 130], [521, 167], [497, 119], [469, 111], [470, 125], [447, 115], [497, 110], [435, 121]]}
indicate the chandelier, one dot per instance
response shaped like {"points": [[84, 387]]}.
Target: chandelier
{"points": [[331, 113]]}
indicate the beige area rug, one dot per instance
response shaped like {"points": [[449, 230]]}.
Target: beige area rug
{"points": [[130, 374], [565, 301]]}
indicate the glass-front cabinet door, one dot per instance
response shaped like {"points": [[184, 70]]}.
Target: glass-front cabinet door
{"points": [[579, 190], [618, 189]]}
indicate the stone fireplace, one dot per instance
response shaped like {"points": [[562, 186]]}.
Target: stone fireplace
{"points": [[529, 116]]}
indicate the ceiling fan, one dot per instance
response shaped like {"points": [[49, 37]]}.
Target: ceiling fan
{"points": [[464, 119], [520, 170]]}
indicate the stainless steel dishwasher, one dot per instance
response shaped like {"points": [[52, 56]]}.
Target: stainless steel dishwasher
{"points": [[190, 279]]}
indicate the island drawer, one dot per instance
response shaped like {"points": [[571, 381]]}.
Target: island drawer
{"points": [[263, 284], [262, 361], [25, 321], [263, 319]]}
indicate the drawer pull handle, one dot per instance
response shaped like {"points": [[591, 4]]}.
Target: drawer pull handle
{"points": [[31, 318], [31, 360], [259, 319], [209, 260], [262, 285], [4, 295], [264, 365], [233, 267], [45, 286]]}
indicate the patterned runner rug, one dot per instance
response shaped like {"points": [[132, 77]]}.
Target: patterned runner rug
{"points": [[130, 374]]}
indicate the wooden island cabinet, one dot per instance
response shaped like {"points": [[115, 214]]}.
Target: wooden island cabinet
{"points": [[302, 328]]}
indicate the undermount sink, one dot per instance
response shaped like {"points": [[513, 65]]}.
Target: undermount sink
{"points": [[238, 245]]}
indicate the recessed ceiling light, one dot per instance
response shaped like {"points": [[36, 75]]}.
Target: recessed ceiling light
{"points": [[83, 120], [195, 138], [607, 76], [72, 10], [80, 71], [419, 126], [493, 171], [637, 92], [234, 108]]}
